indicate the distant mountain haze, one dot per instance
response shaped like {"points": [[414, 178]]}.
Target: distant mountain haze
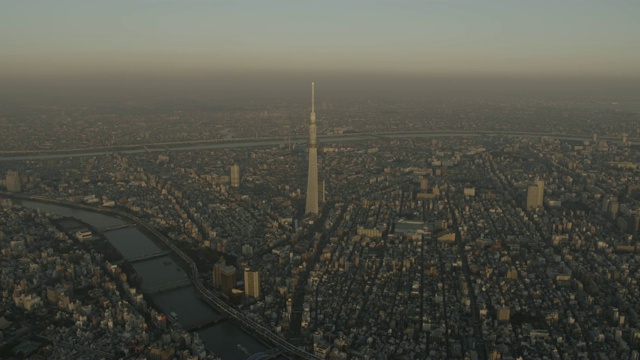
{"points": [[256, 48]]}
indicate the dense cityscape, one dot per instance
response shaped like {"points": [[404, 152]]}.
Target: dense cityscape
{"points": [[307, 180], [497, 232]]}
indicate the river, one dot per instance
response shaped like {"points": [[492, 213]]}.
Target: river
{"points": [[225, 339], [257, 143]]}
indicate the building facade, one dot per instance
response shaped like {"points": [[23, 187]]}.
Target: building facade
{"points": [[13, 181], [235, 176], [251, 283]]}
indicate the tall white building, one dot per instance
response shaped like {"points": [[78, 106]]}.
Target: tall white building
{"points": [[251, 283], [235, 175], [312, 180]]}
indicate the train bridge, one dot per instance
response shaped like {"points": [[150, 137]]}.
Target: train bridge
{"points": [[207, 322], [167, 287], [115, 227], [146, 257]]}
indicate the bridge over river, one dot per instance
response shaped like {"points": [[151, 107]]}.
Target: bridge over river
{"points": [[167, 287], [148, 257], [206, 322], [114, 227]]}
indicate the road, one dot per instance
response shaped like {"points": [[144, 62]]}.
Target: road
{"points": [[295, 329], [475, 312]]}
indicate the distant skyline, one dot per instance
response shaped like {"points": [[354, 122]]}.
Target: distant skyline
{"points": [[590, 38]]}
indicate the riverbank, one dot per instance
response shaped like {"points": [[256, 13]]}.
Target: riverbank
{"points": [[193, 303]]}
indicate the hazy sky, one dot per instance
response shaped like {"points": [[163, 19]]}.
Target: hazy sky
{"points": [[479, 37]]}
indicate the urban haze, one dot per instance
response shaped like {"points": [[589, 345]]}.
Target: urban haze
{"points": [[441, 179]]}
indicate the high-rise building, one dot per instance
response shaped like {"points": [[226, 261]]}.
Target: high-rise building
{"points": [[535, 195], [13, 181], [251, 283], [613, 209], [217, 272], [504, 314], [312, 179], [235, 175], [227, 279], [532, 197], [540, 184], [322, 192]]}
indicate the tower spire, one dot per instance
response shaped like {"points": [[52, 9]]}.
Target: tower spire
{"points": [[312, 180]]}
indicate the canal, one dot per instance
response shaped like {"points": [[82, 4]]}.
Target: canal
{"points": [[225, 339]]}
